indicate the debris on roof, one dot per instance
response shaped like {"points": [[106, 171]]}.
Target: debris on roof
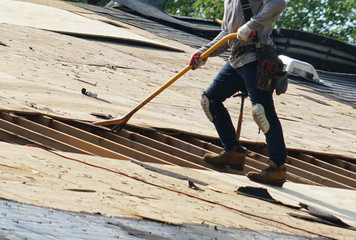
{"points": [[62, 175]]}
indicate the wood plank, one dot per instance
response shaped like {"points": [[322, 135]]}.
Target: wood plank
{"points": [[345, 164], [185, 156], [334, 164], [205, 144], [314, 173], [127, 151], [303, 175], [325, 165], [177, 143], [165, 148], [123, 134], [335, 172], [317, 178], [62, 137], [336, 177], [327, 157], [38, 138], [10, 137], [142, 152], [250, 159], [260, 157]]}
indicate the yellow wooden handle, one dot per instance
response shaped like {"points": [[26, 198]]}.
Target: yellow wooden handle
{"points": [[217, 45], [186, 69], [124, 119]]}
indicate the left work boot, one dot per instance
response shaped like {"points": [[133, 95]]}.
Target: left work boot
{"points": [[234, 158], [273, 175]]}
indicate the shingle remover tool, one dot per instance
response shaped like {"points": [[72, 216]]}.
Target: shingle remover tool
{"points": [[120, 122]]}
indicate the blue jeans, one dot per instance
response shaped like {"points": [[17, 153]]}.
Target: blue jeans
{"points": [[231, 80]]}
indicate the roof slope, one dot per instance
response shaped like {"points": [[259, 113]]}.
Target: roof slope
{"points": [[119, 188], [43, 74], [122, 76]]}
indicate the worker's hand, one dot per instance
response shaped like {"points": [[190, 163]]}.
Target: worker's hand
{"points": [[196, 61], [244, 33]]}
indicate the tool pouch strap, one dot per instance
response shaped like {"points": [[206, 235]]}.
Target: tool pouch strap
{"points": [[270, 72], [267, 78], [237, 52]]}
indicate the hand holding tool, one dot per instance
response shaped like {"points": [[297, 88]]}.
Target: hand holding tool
{"points": [[196, 61], [245, 33]]}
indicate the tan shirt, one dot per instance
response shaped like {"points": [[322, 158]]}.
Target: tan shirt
{"points": [[265, 12]]}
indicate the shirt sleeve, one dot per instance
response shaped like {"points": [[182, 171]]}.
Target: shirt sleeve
{"points": [[221, 49], [268, 14]]}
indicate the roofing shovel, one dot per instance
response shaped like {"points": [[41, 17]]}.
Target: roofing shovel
{"points": [[120, 122]]}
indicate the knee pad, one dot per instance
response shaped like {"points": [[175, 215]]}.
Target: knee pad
{"points": [[259, 115], [207, 106]]}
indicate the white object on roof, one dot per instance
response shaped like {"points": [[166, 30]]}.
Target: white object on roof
{"points": [[111, 3], [300, 68]]}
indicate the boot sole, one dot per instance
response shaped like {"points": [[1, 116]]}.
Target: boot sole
{"points": [[235, 167], [277, 184]]}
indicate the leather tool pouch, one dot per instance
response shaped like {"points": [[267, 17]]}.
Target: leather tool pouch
{"points": [[270, 73]]}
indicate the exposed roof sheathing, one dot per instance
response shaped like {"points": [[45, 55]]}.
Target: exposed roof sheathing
{"points": [[121, 188], [153, 169], [58, 20], [148, 145]]}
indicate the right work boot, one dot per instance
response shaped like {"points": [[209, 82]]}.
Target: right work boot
{"points": [[233, 158], [273, 175]]}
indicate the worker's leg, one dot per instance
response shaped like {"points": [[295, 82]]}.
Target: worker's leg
{"points": [[274, 136], [276, 172], [225, 84]]}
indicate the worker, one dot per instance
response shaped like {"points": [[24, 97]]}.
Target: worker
{"points": [[239, 74]]}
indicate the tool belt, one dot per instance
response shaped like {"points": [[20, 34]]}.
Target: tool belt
{"points": [[237, 52], [270, 72]]}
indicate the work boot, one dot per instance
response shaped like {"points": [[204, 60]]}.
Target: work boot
{"points": [[234, 158], [273, 175]]}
